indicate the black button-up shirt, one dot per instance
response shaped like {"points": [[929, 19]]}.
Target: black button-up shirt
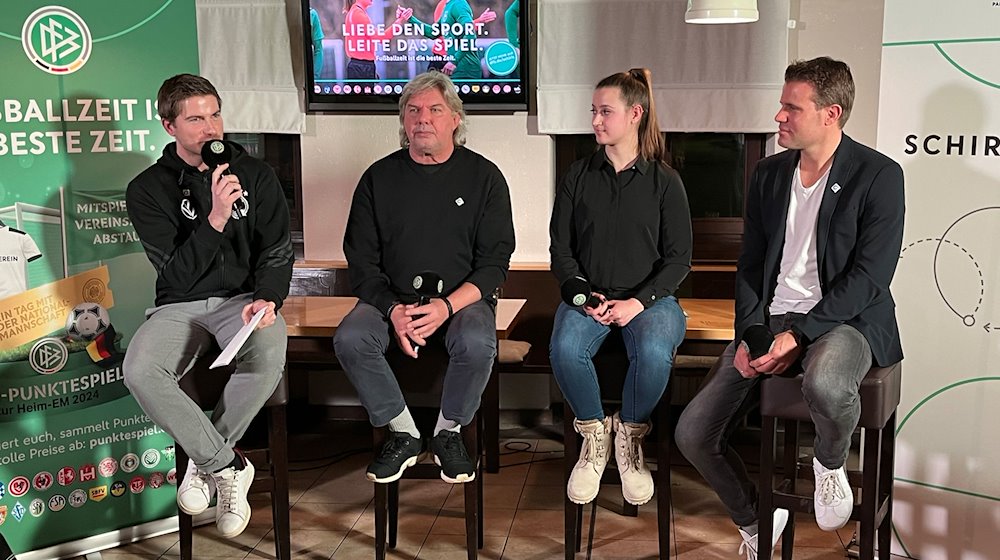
{"points": [[627, 233]]}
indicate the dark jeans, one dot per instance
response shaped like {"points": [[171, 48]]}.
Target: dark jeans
{"points": [[651, 338], [365, 335], [833, 366]]}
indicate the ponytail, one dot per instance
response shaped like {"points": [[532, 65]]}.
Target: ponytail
{"points": [[636, 88]]}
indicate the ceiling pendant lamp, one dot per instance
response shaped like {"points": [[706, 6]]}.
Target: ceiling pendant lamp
{"points": [[721, 11]]}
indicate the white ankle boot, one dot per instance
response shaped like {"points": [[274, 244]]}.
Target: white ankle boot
{"points": [[637, 483], [585, 480]]}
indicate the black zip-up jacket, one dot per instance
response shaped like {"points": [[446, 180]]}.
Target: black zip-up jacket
{"points": [[169, 204]]}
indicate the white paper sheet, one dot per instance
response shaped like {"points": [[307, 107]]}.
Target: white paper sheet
{"points": [[229, 352]]}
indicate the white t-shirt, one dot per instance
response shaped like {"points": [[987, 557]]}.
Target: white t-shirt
{"points": [[17, 249], [798, 288]]}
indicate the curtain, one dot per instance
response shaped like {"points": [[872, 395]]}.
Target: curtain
{"points": [[245, 50], [706, 78]]}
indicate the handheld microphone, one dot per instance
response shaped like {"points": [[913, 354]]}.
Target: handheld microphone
{"points": [[216, 152], [427, 285], [758, 339], [576, 292]]}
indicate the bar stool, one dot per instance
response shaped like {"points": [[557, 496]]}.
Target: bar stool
{"points": [[611, 362], [271, 463], [781, 398], [426, 376], [510, 358]]}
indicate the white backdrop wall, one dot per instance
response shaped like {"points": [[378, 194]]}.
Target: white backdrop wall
{"points": [[940, 118]]}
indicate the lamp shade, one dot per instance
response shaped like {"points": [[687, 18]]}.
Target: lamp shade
{"points": [[721, 11]]}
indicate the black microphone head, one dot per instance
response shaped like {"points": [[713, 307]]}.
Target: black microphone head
{"points": [[428, 284], [575, 291], [758, 339], [216, 152]]}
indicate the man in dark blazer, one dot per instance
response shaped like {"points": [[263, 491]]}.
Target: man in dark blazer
{"points": [[822, 234]]}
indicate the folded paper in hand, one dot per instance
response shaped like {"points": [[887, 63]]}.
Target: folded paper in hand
{"points": [[229, 352]]}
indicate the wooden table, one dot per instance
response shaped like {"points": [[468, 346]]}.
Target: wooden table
{"points": [[319, 316], [709, 319]]}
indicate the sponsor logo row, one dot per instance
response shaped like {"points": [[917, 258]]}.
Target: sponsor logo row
{"points": [[106, 468], [79, 497]]}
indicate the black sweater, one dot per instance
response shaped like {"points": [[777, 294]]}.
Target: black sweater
{"points": [[169, 204], [453, 219], [628, 233]]}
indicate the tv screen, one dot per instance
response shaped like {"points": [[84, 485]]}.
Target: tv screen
{"points": [[362, 52]]}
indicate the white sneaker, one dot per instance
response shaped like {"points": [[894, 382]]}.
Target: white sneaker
{"points": [[637, 483], [232, 512], [196, 491], [749, 544], [585, 480], [833, 499]]}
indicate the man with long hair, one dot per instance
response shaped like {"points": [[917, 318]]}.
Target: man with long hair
{"points": [[433, 205]]}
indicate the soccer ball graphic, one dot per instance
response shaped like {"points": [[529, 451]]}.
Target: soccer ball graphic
{"points": [[86, 321]]}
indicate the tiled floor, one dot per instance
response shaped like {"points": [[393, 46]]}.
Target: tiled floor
{"points": [[332, 517]]}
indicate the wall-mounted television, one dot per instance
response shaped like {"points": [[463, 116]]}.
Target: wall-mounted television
{"points": [[360, 53]]}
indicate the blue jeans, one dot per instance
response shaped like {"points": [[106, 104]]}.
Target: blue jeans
{"points": [[834, 365], [365, 335], [651, 338]]}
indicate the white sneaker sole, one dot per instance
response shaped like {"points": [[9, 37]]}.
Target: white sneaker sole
{"points": [[393, 478], [188, 511], [461, 479]]}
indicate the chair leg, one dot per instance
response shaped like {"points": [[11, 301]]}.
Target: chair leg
{"points": [[278, 451], [573, 514], [886, 473], [869, 494], [765, 519], [381, 502], [791, 470], [479, 502], [393, 505], [471, 520], [663, 443], [185, 524], [491, 422]]}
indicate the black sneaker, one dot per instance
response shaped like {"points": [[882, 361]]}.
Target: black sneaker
{"points": [[451, 456], [399, 451]]}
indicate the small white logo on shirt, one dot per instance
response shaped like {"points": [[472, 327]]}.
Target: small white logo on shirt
{"points": [[241, 207], [187, 209], [835, 188], [459, 201]]}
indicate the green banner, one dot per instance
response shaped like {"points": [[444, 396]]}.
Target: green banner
{"points": [[97, 226], [78, 457]]}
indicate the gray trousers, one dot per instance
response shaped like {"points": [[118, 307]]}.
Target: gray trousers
{"points": [[365, 335], [165, 348], [833, 365]]}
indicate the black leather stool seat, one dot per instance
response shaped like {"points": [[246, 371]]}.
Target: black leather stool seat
{"points": [[781, 396]]}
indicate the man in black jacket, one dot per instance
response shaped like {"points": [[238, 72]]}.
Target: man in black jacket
{"points": [[220, 244], [434, 206], [822, 234]]}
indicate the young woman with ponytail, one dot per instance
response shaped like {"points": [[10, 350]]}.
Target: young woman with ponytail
{"points": [[620, 221]]}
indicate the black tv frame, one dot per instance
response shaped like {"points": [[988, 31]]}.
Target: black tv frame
{"points": [[389, 104]]}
